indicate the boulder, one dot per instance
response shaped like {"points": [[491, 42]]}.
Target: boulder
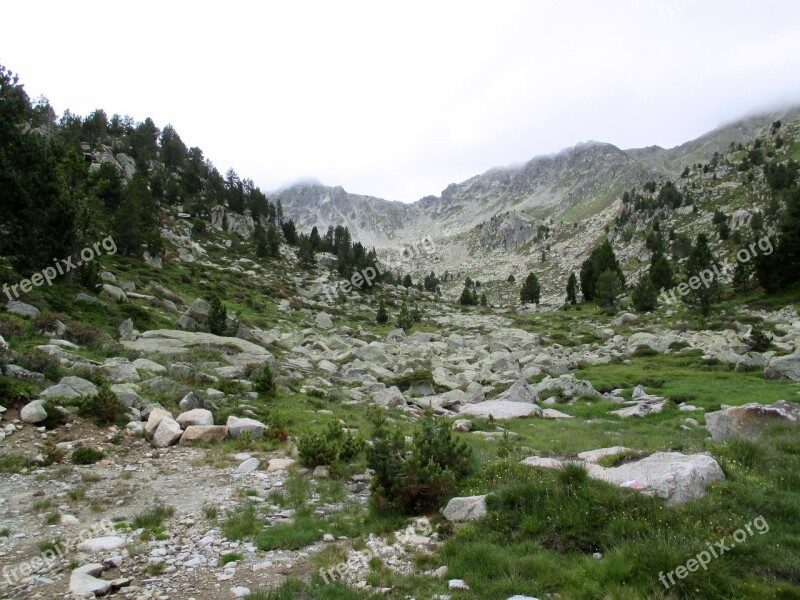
{"points": [[113, 292], [747, 421], [248, 466], [466, 508], [83, 583], [519, 392], [166, 294], [324, 321], [196, 416], [101, 544], [237, 427], [126, 330], [501, 409], [167, 433], [22, 310], [71, 387], [280, 464], [203, 434], [675, 477], [154, 419], [33, 412], [784, 367]]}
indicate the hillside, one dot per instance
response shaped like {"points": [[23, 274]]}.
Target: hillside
{"points": [[213, 392]]}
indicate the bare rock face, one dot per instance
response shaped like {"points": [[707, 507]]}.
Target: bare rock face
{"points": [[747, 421]]}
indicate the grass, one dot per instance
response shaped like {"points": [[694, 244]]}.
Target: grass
{"points": [[87, 456], [303, 531], [154, 518], [229, 558], [50, 545]]}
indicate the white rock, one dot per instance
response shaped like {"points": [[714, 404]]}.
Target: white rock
{"points": [[248, 466], [466, 508], [196, 416], [102, 544], [33, 412], [167, 433]]}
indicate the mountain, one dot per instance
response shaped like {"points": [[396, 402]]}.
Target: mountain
{"points": [[572, 184]]}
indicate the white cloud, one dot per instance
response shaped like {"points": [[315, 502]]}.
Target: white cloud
{"points": [[398, 100]]}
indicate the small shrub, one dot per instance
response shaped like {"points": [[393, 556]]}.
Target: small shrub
{"points": [[86, 456], [418, 479], [229, 558], [264, 382], [331, 446], [758, 341], [51, 453], [153, 518], [84, 334], [41, 362], [104, 408]]}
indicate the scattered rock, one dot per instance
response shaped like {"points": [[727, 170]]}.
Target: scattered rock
{"points": [[747, 421], [467, 508], [33, 412], [167, 433], [201, 434], [21, 309], [237, 427]]}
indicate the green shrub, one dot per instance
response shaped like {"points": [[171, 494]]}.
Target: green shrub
{"points": [[758, 341], [264, 382], [415, 480], [41, 362], [86, 456], [104, 408], [333, 445]]}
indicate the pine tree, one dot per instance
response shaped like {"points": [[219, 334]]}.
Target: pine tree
{"points": [[383, 315], [660, 272], [484, 303], [305, 254], [572, 289], [607, 288], [272, 241], [742, 274], [404, 319], [260, 240], [407, 281], [644, 295], [218, 317], [600, 260], [466, 298], [531, 290], [701, 260]]}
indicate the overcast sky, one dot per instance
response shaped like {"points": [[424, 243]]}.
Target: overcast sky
{"points": [[399, 99]]}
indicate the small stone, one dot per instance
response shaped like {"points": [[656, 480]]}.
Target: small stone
{"points": [[248, 466], [457, 584]]}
